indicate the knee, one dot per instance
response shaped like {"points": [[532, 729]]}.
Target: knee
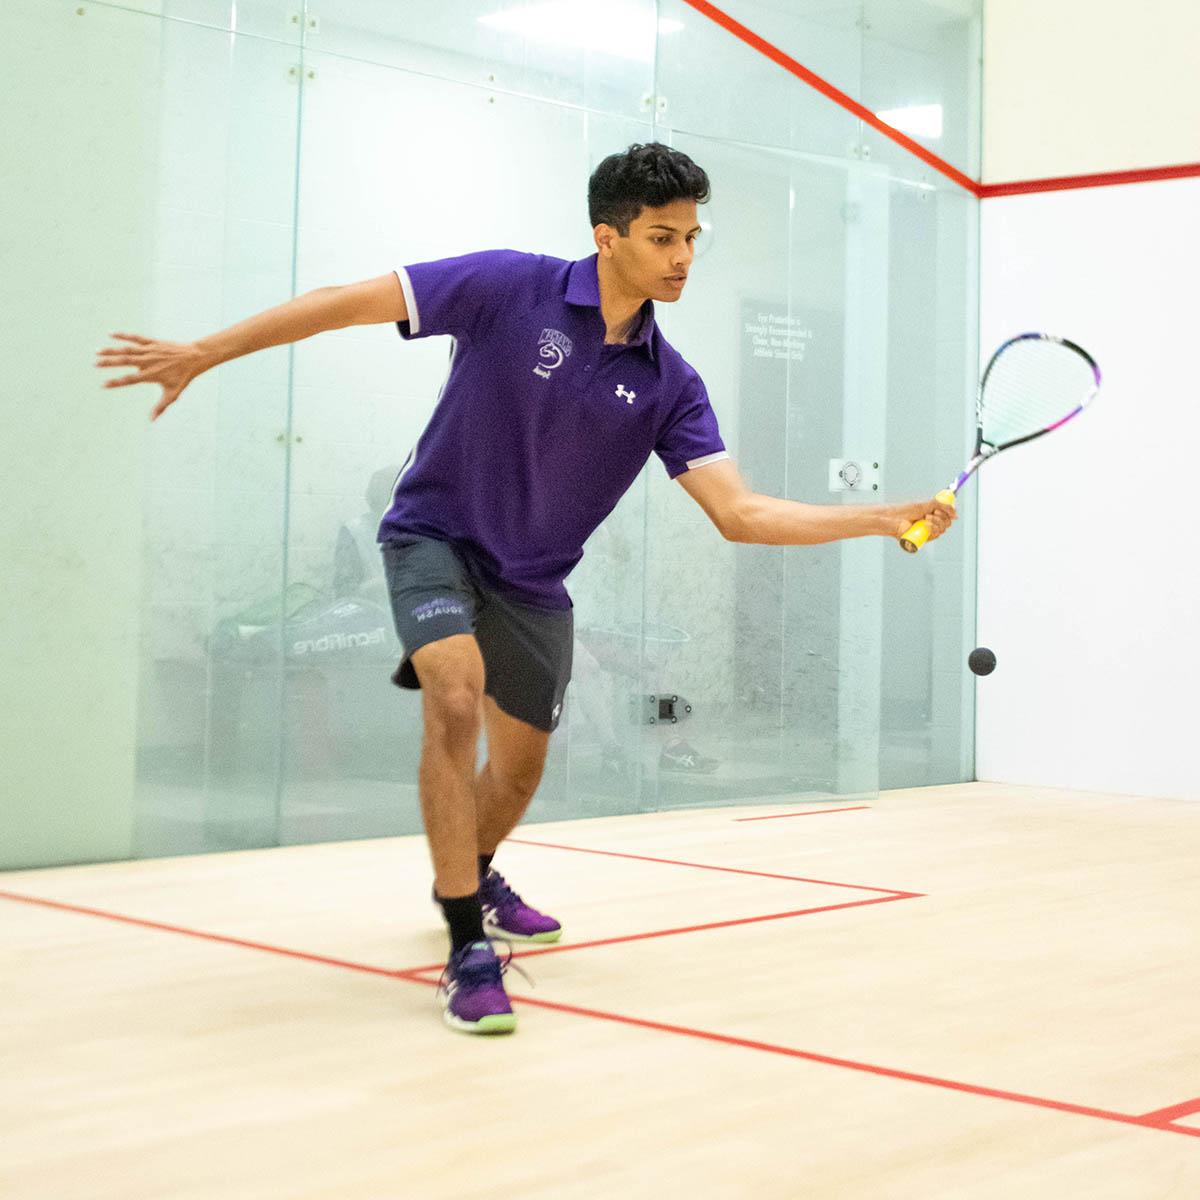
{"points": [[453, 713], [517, 781]]}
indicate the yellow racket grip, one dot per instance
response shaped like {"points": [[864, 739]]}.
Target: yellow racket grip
{"points": [[918, 532]]}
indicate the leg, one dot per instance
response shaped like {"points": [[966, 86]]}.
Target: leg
{"points": [[434, 604], [505, 786], [528, 656], [516, 756], [451, 674]]}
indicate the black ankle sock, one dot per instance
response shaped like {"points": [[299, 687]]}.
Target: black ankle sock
{"points": [[485, 864], [465, 918]]}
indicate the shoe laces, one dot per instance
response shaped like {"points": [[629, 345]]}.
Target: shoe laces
{"points": [[499, 894], [485, 971]]}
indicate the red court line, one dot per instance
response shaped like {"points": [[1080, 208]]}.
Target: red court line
{"points": [[672, 862], [840, 98], [536, 951], [220, 938], [1063, 183], [850, 1064], [816, 812], [1158, 1120], [1165, 1115]]}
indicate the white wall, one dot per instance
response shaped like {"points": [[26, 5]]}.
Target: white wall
{"points": [[1087, 573], [1089, 580], [1079, 86]]}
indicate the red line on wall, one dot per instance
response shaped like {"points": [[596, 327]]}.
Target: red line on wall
{"points": [[1063, 183], [816, 812], [983, 191], [840, 98]]}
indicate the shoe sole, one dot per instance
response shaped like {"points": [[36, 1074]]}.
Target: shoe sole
{"points": [[490, 927], [493, 1024]]}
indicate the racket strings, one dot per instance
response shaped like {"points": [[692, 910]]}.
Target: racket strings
{"points": [[1031, 386]]}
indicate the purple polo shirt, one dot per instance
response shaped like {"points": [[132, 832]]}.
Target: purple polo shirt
{"points": [[540, 428]]}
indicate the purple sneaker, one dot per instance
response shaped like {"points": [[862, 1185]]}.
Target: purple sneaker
{"points": [[506, 915], [472, 992]]}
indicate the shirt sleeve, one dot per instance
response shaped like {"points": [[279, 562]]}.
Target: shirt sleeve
{"points": [[690, 437], [459, 296]]}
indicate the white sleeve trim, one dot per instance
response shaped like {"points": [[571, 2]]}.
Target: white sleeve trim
{"points": [[410, 301], [708, 458]]}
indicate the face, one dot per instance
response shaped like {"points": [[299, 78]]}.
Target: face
{"points": [[654, 260]]}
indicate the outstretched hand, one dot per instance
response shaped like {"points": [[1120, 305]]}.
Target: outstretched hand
{"points": [[172, 365]]}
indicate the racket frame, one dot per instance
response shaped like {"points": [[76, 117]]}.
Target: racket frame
{"points": [[985, 450]]}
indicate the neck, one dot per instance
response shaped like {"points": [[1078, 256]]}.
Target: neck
{"points": [[618, 306]]}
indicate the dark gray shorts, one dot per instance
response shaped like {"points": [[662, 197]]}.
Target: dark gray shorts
{"points": [[526, 650]]}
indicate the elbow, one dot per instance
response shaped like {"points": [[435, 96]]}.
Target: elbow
{"points": [[737, 522]]}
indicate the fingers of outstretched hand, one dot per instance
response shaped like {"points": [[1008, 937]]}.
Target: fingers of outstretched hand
{"points": [[154, 362], [168, 398], [126, 380], [125, 356], [172, 365], [110, 355]]}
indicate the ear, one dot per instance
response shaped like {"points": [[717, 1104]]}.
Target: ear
{"points": [[605, 235]]}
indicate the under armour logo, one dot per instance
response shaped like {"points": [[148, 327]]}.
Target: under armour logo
{"points": [[628, 397]]}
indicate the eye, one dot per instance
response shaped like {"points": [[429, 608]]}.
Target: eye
{"points": [[661, 240]]}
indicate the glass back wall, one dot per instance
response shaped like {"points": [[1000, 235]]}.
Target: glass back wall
{"points": [[246, 641]]}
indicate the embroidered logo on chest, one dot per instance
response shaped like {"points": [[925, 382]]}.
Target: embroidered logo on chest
{"points": [[628, 397], [553, 347]]}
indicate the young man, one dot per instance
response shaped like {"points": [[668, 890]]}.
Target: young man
{"points": [[560, 388]]}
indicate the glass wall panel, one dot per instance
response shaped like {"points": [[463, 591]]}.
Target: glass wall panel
{"points": [[711, 83], [213, 509], [362, 396], [921, 73], [595, 54], [933, 354], [774, 649], [234, 154], [277, 20], [79, 148]]}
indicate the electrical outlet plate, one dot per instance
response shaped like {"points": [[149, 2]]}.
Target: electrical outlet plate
{"points": [[855, 474]]}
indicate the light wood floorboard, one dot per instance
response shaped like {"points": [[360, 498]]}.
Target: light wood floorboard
{"points": [[997, 939]]}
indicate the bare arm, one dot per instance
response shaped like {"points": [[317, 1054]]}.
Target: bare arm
{"points": [[745, 516], [173, 365]]}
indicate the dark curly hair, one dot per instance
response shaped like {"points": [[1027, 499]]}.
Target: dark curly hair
{"points": [[646, 176]]}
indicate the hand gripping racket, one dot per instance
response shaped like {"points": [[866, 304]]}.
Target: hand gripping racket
{"points": [[1034, 383]]}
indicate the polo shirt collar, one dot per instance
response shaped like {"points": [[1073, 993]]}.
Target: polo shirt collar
{"points": [[583, 288]]}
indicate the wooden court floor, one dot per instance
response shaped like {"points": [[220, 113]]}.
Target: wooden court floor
{"points": [[958, 992]]}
